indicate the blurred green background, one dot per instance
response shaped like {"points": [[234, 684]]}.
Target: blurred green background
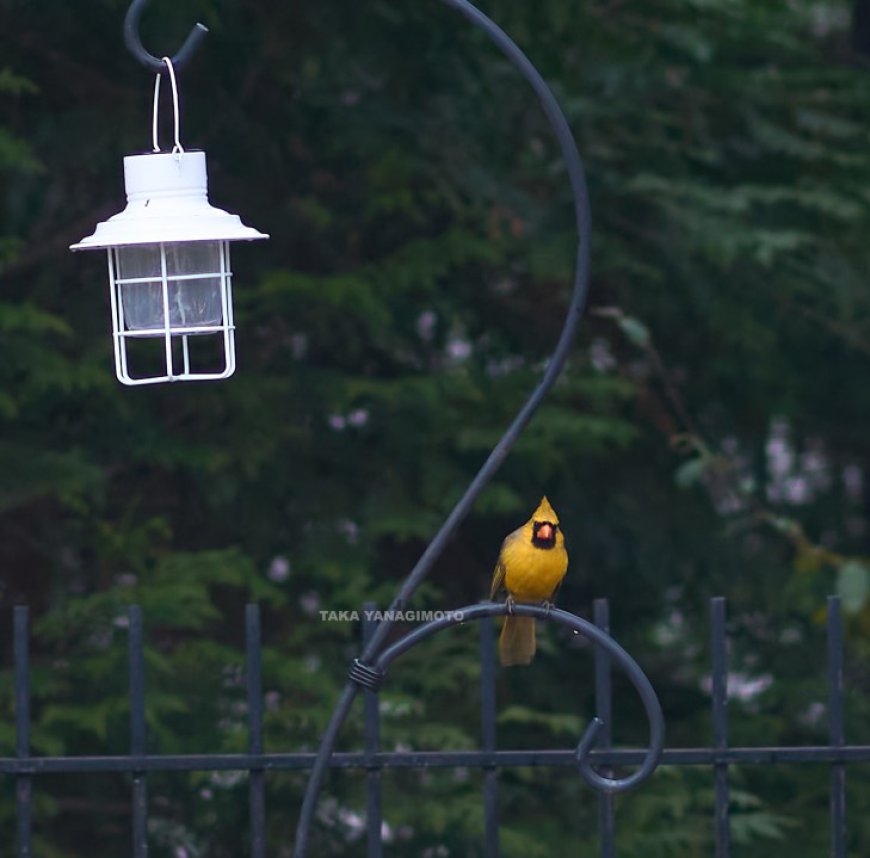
{"points": [[709, 435]]}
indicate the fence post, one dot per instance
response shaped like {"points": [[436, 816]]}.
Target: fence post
{"points": [[604, 710], [718, 644], [254, 688], [488, 730], [836, 727], [137, 732], [24, 784], [372, 738]]}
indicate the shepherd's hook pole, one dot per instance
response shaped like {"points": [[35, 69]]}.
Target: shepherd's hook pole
{"points": [[577, 180]]}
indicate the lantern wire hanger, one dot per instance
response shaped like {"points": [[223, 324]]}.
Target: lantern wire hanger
{"points": [[134, 41], [177, 149]]}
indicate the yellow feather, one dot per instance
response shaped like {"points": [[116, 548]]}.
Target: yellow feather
{"points": [[529, 573]]}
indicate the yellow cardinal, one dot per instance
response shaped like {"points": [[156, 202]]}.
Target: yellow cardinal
{"points": [[531, 565]]}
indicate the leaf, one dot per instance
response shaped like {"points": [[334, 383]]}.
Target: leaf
{"points": [[636, 332], [27, 318], [556, 722], [500, 499], [14, 84], [853, 585], [690, 473], [17, 155], [30, 473]]}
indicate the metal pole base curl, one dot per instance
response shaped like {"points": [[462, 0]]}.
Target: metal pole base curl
{"points": [[587, 630]]}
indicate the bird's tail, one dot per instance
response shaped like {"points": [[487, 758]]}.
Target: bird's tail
{"points": [[517, 642]]}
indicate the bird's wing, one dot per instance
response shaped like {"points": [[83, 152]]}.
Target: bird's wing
{"points": [[555, 593], [497, 578], [499, 572]]}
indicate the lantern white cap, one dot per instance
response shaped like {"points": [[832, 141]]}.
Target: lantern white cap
{"points": [[167, 201]]}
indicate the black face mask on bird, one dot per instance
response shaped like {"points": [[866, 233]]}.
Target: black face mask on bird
{"points": [[544, 534]]}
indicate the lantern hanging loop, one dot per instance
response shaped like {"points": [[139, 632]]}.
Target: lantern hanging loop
{"points": [[134, 42], [177, 149]]}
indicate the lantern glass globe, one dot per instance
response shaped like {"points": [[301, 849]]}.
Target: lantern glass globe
{"points": [[193, 277]]}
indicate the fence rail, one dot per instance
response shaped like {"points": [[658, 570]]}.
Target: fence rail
{"points": [[26, 768]]}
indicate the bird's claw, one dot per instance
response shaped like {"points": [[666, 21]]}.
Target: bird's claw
{"points": [[510, 604], [548, 606]]}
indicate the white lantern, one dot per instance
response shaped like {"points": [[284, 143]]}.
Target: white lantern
{"points": [[170, 280]]}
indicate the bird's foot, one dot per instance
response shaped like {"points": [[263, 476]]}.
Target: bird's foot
{"points": [[548, 606], [510, 604]]}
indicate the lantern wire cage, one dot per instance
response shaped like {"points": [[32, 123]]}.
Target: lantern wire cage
{"points": [[176, 319]]}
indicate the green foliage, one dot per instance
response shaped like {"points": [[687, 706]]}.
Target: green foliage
{"points": [[853, 585], [708, 435]]}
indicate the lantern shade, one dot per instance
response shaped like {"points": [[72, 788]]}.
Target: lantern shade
{"points": [[167, 201], [169, 272]]}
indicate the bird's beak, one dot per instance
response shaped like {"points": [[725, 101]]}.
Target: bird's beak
{"points": [[545, 531]]}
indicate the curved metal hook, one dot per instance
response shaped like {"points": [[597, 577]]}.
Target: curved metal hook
{"points": [[134, 43], [580, 626]]}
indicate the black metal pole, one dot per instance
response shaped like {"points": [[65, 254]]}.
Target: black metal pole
{"points": [[577, 180]]}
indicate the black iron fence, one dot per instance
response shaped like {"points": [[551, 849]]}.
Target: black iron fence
{"points": [[27, 769]]}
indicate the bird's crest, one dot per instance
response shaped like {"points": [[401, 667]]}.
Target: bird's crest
{"points": [[545, 512]]}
